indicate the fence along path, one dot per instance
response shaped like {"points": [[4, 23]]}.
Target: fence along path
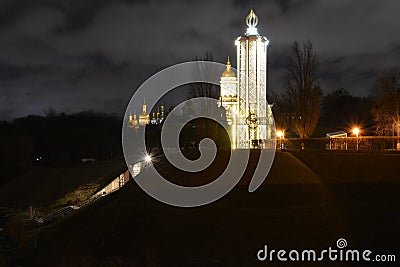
{"points": [[136, 170]]}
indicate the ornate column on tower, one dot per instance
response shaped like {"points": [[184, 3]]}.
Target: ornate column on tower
{"points": [[253, 112]]}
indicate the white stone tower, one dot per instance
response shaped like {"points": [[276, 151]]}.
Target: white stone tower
{"points": [[254, 115]]}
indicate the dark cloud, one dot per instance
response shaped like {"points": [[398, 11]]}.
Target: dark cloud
{"points": [[76, 55], [292, 5]]}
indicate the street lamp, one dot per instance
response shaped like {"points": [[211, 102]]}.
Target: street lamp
{"points": [[281, 135], [147, 158], [356, 131]]}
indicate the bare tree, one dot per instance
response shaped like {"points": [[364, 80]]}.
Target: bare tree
{"points": [[200, 89], [302, 91], [205, 127], [51, 112], [386, 112], [283, 116]]}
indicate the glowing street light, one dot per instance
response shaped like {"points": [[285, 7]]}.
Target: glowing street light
{"points": [[356, 131], [281, 135], [147, 158]]}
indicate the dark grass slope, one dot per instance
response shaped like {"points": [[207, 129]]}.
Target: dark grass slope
{"points": [[294, 208], [352, 167], [43, 185]]}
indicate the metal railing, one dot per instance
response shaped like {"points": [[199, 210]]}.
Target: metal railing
{"points": [[362, 143]]}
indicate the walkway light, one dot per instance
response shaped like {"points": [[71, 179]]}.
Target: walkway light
{"points": [[356, 131], [281, 135], [147, 158]]}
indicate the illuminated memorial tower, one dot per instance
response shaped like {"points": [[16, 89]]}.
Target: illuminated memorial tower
{"points": [[254, 115]]}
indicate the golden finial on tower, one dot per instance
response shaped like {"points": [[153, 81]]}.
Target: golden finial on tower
{"points": [[252, 19]]}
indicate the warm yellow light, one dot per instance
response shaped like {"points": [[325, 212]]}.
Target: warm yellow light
{"points": [[279, 134], [233, 131], [356, 131]]}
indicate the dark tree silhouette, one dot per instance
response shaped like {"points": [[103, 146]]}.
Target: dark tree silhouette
{"points": [[387, 107], [302, 91], [57, 139], [205, 127], [341, 110], [203, 89], [283, 115]]}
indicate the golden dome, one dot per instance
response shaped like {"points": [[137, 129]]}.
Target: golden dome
{"points": [[228, 72]]}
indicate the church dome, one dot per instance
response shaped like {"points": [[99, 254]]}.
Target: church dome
{"points": [[228, 72]]}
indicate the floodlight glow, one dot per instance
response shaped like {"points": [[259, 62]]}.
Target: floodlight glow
{"points": [[279, 134], [147, 158], [356, 131]]}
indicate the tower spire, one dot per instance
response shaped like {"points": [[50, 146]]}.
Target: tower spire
{"points": [[228, 72], [144, 106], [251, 21]]}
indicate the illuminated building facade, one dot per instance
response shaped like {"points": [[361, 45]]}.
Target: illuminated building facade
{"points": [[159, 116], [245, 97], [229, 99], [133, 121], [144, 118]]}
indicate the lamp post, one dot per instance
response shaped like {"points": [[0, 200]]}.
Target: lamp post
{"points": [[139, 165], [148, 158], [356, 131], [281, 135]]}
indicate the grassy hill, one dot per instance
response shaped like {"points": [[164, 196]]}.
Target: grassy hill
{"points": [[294, 208]]}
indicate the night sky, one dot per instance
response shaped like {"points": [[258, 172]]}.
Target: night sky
{"points": [[92, 55]]}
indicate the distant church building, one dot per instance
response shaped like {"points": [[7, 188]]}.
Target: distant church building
{"points": [[245, 98], [144, 117], [133, 121]]}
